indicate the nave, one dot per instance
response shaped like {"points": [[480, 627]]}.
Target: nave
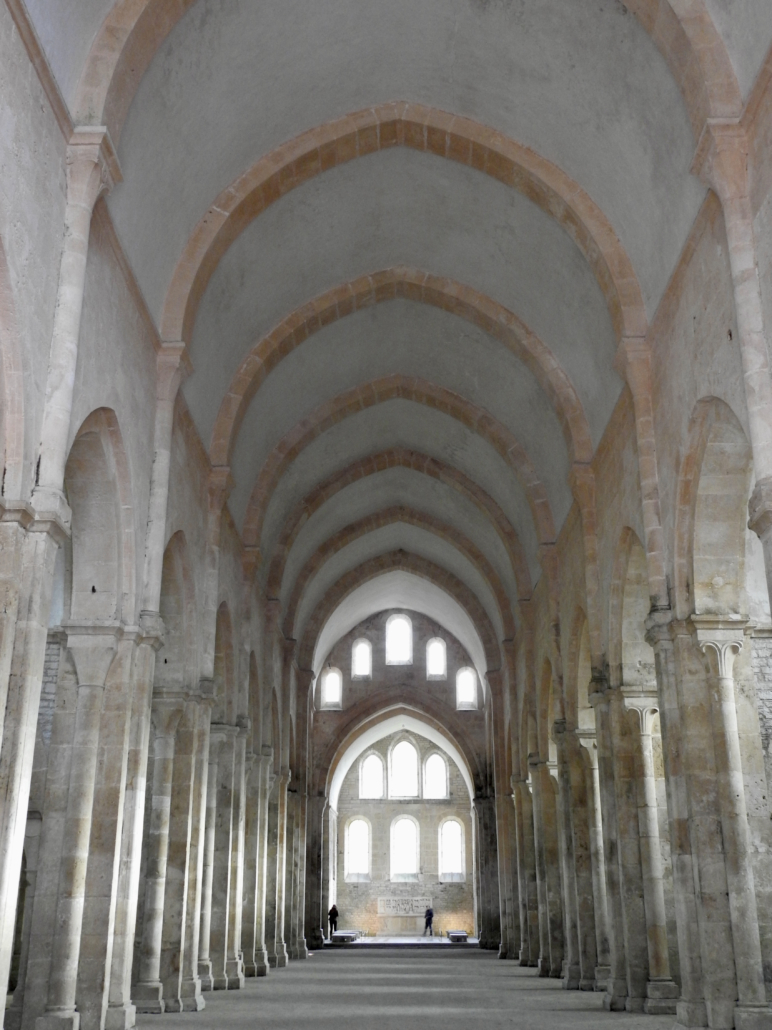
{"points": [[401, 989]]}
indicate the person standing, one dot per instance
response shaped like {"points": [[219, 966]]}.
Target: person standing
{"points": [[332, 915], [428, 919]]}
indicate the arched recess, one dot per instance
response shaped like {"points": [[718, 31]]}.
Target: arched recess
{"points": [[421, 287], [397, 458], [712, 514], [176, 666], [101, 552], [413, 518], [379, 391], [383, 725], [134, 30], [450, 603], [12, 434], [225, 699], [546, 708], [631, 658], [579, 711]]}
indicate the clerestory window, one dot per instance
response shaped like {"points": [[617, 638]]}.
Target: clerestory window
{"points": [[436, 660], [399, 640]]}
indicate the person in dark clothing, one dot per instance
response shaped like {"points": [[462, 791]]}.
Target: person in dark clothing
{"points": [[333, 917], [428, 917]]}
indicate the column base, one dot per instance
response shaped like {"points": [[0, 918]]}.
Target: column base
{"points": [[691, 1013], [302, 949], [148, 997], [205, 974], [634, 1004], [544, 967], [616, 996], [189, 998], [52, 1021], [316, 941], [219, 982], [571, 977], [234, 972], [278, 959], [121, 1017], [602, 973], [503, 950], [661, 998], [261, 966], [586, 985], [752, 1017]]}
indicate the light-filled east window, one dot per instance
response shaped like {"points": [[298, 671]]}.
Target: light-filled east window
{"points": [[357, 849], [403, 774], [466, 688], [361, 659], [435, 777], [371, 777], [436, 659], [404, 849], [332, 687], [451, 850], [399, 640]]}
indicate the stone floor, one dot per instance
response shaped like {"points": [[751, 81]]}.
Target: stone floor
{"points": [[436, 989]]}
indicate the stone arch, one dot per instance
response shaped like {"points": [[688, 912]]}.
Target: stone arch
{"points": [[101, 551], [12, 428], [225, 698], [379, 391], [175, 665], [418, 566], [546, 708], [712, 512], [134, 30], [387, 517], [420, 128], [579, 712], [421, 287], [397, 458], [631, 659]]}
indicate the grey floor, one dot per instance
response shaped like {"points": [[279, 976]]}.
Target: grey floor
{"points": [[401, 990]]}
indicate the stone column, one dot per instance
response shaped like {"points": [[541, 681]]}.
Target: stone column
{"points": [[720, 642], [276, 862], [616, 987], [13, 1013], [266, 786], [691, 1009], [92, 647], [316, 915], [234, 962], [581, 870], [529, 896], [222, 866], [540, 865], [548, 863], [251, 831], [572, 970], [121, 1010], [204, 958], [148, 992], [327, 860], [510, 928], [597, 857], [180, 865], [290, 884], [489, 913], [191, 987], [661, 991], [300, 922]]}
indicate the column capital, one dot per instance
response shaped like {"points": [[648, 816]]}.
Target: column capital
{"points": [[721, 158], [173, 366], [92, 644], [720, 641], [760, 508], [152, 629], [92, 165], [646, 705], [166, 713]]}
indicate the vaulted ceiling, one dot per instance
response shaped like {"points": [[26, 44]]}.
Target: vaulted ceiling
{"points": [[402, 241]]}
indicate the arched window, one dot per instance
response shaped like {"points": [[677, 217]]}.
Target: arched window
{"points": [[371, 777], [451, 847], [436, 660], [404, 849], [403, 774], [399, 640], [361, 660], [332, 688], [358, 850], [435, 777], [466, 688]]}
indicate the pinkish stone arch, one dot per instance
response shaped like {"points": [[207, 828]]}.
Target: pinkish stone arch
{"points": [[377, 392], [410, 284], [397, 458], [388, 517]]}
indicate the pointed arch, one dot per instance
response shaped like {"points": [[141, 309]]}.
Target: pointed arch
{"points": [[176, 665]]}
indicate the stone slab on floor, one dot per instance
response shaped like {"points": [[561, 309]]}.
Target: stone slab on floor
{"points": [[396, 989], [404, 942]]}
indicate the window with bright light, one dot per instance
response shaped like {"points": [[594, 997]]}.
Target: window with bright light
{"points": [[361, 659], [371, 777], [436, 660], [404, 849], [466, 688], [451, 850], [403, 774], [332, 688], [399, 640], [357, 850], [435, 777]]}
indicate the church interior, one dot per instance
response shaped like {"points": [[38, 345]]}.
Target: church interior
{"points": [[385, 510]]}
